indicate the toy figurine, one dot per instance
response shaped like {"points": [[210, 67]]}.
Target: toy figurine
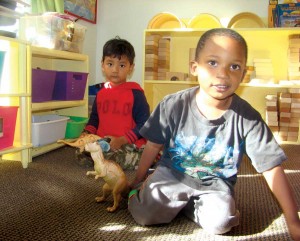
{"points": [[81, 141], [113, 175]]}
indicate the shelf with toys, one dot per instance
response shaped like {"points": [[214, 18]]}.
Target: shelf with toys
{"points": [[17, 60], [61, 61]]}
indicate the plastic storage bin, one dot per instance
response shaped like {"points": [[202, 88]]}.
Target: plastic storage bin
{"points": [[75, 126], [8, 116], [42, 85], [69, 85], [54, 31], [47, 129]]}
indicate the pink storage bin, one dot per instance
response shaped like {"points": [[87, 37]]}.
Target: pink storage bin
{"points": [[8, 117]]}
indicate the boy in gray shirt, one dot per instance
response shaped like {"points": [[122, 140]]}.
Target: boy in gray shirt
{"points": [[204, 132]]}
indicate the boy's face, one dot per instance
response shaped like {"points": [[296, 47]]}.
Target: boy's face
{"points": [[116, 70], [220, 67]]}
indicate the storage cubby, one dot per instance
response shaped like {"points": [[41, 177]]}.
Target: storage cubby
{"points": [[16, 90], [56, 60]]}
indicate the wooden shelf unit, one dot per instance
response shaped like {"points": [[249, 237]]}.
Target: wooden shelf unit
{"points": [[23, 57]]}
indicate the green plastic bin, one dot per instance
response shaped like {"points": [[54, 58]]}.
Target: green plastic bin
{"points": [[75, 126]]}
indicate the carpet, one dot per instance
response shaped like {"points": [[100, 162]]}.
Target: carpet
{"points": [[53, 199]]}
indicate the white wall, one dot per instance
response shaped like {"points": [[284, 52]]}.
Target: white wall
{"points": [[129, 18], [89, 48]]}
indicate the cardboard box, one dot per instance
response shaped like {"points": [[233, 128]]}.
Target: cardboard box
{"points": [[271, 16], [286, 1], [288, 15]]}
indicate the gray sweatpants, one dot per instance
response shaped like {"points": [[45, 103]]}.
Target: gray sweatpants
{"points": [[162, 197]]}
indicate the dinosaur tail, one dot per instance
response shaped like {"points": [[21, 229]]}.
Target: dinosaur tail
{"points": [[74, 144]]}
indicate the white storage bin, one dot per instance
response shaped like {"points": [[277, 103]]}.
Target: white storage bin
{"points": [[47, 129]]}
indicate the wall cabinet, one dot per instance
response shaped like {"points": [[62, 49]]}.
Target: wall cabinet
{"points": [[270, 43], [16, 87]]}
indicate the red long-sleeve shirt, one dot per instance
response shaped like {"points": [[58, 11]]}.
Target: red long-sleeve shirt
{"points": [[119, 111]]}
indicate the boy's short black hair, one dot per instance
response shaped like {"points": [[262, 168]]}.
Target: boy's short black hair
{"points": [[118, 47], [220, 32]]}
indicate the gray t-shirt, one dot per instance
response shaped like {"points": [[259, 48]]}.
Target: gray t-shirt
{"points": [[201, 148]]}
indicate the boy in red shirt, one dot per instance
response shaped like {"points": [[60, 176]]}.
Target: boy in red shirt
{"points": [[120, 108]]}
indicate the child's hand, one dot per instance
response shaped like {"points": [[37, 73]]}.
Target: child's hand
{"points": [[116, 142]]}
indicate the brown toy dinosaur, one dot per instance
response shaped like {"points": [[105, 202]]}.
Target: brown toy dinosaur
{"points": [[81, 141], [113, 175]]}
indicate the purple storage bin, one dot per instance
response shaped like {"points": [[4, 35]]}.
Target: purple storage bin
{"points": [[42, 85], [69, 85]]}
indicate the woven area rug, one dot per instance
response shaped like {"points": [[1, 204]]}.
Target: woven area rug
{"points": [[53, 199]]}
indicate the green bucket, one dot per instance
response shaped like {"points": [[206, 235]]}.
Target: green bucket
{"points": [[75, 126]]}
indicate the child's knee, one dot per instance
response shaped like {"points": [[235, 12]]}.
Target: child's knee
{"points": [[139, 212], [218, 214], [219, 223]]}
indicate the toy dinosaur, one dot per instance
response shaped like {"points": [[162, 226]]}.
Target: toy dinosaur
{"points": [[81, 141], [113, 175]]}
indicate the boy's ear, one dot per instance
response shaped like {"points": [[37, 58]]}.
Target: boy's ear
{"points": [[131, 70], [193, 68]]}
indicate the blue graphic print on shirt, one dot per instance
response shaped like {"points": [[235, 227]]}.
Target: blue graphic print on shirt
{"points": [[199, 157]]}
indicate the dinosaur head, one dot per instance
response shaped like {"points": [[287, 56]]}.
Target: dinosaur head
{"points": [[92, 147]]}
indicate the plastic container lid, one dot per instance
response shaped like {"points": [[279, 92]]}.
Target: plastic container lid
{"points": [[165, 20], [204, 20]]}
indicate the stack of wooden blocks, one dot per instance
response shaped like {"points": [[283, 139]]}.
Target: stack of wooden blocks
{"points": [[293, 57], [293, 134], [163, 58], [289, 115], [284, 115], [272, 114], [151, 57], [157, 57], [264, 70]]}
